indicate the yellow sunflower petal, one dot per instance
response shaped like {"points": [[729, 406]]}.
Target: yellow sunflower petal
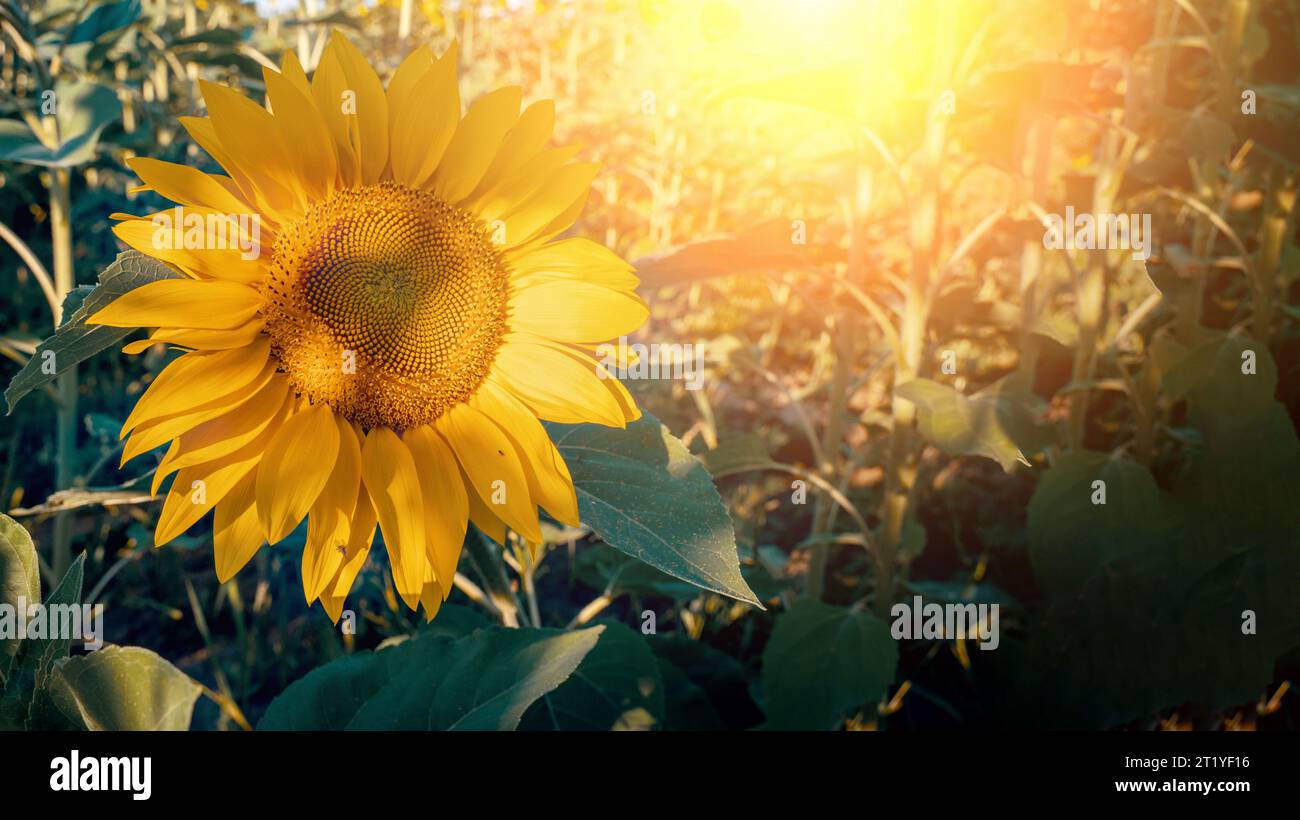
{"points": [[521, 145], [446, 506], [549, 480], [560, 191], [603, 360], [193, 380], [423, 109], [247, 131], [431, 598], [371, 108], [293, 72], [232, 255], [559, 224], [476, 142], [207, 339], [360, 537], [236, 532], [302, 126], [330, 519], [556, 387], [576, 311], [226, 433], [186, 185], [181, 303], [201, 131], [336, 102], [295, 469], [518, 185], [404, 80], [197, 489], [158, 431], [571, 259], [496, 473], [388, 471]]}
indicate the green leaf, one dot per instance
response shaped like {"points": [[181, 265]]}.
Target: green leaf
{"points": [[83, 110], [686, 705], [1148, 596], [764, 248], [20, 578], [717, 675], [104, 18], [75, 341], [127, 689], [328, 697], [617, 686], [822, 663], [961, 425], [485, 680], [1070, 536], [1220, 358], [499, 673], [643, 493], [37, 659], [601, 567]]}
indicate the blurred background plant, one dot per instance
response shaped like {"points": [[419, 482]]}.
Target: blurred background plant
{"points": [[843, 202]]}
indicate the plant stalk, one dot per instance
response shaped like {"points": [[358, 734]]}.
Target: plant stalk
{"points": [[66, 383]]}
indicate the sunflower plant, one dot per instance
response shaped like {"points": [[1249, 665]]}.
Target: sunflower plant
{"points": [[383, 329]]}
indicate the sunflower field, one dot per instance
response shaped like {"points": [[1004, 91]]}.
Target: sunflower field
{"points": [[650, 364]]}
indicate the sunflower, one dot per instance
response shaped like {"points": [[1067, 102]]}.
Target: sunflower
{"points": [[385, 359]]}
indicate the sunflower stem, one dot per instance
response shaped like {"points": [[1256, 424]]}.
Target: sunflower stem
{"points": [[900, 466], [66, 383], [831, 458]]}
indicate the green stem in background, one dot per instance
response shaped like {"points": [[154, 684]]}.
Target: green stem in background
{"points": [[831, 461], [1090, 301], [66, 384], [900, 464], [1273, 235], [487, 561], [1092, 294], [404, 21], [527, 568], [1042, 130], [900, 471]]}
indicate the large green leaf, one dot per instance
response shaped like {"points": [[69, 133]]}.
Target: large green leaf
{"points": [[1219, 356], [83, 110], [709, 671], [686, 704], [822, 662], [126, 689], [328, 697], [602, 567], [37, 659], [764, 248], [485, 680], [643, 492], [103, 19], [1070, 536], [75, 341], [1149, 598], [617, 686], [961, 425], [20, 578]]}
